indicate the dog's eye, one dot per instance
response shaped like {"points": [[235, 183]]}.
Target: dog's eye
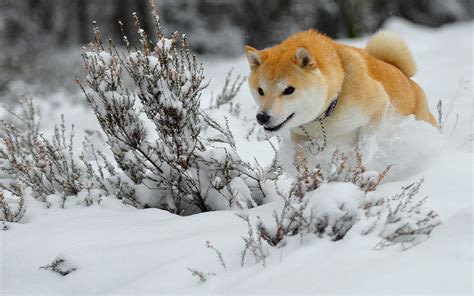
{"points": [[260, 91], [289, 90]]}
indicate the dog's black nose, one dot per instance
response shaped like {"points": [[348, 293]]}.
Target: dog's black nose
{"points": [[263, 118]]}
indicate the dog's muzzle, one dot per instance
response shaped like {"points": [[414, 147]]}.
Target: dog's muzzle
{"points": [[280, 125]]}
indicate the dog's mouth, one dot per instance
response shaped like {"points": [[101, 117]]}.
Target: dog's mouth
{"points": [[279, 126]]}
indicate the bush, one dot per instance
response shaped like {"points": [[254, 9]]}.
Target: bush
{"points": [[27, 158], [9, 213], [156, 129], [168, 153], [312, 205], [49, 167]]}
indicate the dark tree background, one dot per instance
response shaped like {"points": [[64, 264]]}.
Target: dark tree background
{"points": [[30, 30], [58, 23]]}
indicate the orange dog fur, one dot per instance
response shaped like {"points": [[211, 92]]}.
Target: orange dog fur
{"points": [[296, 81]]}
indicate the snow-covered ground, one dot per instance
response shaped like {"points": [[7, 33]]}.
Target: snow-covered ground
{"points": [[118, 249]]}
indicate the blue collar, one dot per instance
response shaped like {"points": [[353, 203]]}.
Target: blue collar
{"points": [[329, 110]]}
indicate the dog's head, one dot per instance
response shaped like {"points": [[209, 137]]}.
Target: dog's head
{"points": [[288, 85]]}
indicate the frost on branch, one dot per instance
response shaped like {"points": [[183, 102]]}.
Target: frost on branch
{"points": [[331, 204], [155, 127]]}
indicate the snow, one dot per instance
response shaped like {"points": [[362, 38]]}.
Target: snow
{"points": [[164, 43], [117, 249]]}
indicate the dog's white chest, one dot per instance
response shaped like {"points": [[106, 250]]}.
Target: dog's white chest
{"points": [[340, 124]]}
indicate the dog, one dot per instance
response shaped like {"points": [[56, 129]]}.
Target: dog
{"points": [[314, 87]]}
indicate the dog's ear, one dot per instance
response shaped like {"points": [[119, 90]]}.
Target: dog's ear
{"points": [[303, 58], [254, 56]]}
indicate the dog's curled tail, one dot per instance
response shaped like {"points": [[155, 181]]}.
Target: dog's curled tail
{"points": [[391, 48]]}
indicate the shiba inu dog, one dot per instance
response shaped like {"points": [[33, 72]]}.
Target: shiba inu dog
{"points": [[313, 86]]}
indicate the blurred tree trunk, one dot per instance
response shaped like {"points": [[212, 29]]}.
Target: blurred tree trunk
{"points": [[120, 14], [83, 21], [143, 12]]}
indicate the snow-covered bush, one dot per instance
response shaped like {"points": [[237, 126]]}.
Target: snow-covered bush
{"points": [[10, 212], [27, 158], [51, 167], [181, 159], [341, 171], [403, 217], [330, 204]]}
